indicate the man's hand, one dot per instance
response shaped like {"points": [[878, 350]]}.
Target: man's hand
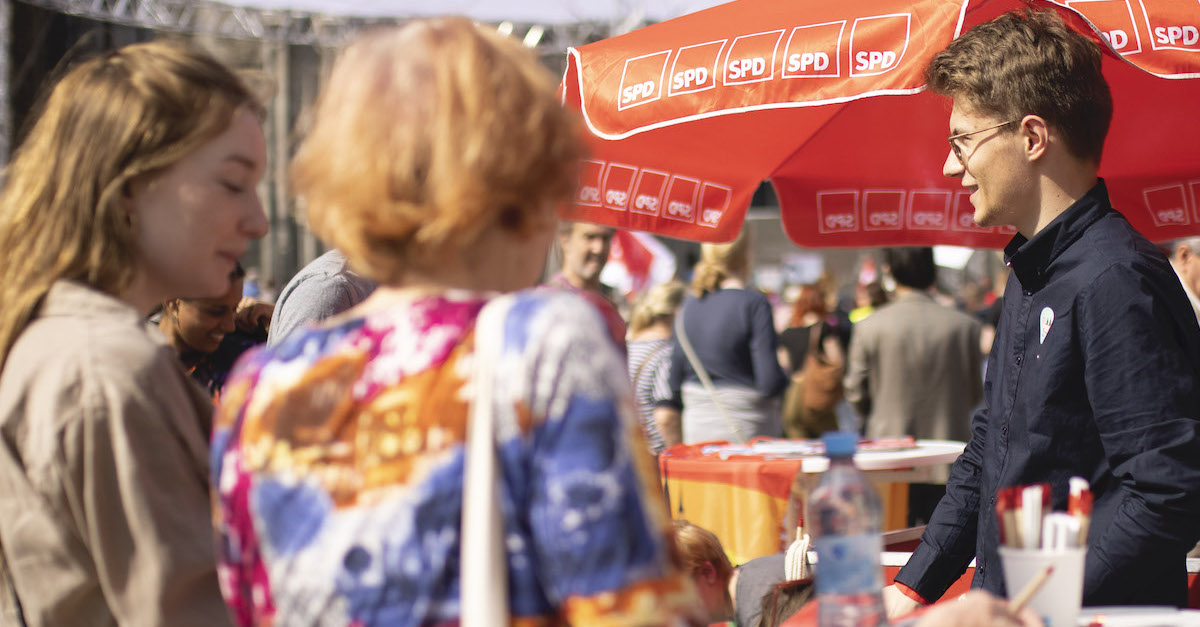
{"points": [[253, 315], [896, 603], [975, 609]]}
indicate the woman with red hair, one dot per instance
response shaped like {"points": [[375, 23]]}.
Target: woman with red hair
{"points": [[808, 417]]}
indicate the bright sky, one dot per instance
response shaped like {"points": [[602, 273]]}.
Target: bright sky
{"points": [[534, 11]]}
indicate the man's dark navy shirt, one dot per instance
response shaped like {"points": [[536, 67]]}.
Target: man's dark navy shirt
{"points": [[1093, 373]]}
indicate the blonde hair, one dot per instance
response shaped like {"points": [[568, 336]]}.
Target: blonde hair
{"points": [[658, 303], [697, 545], [110, 121], [719, 262], [426, 135]]}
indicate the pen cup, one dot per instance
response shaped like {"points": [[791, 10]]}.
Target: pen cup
{"points": [[1058, 599]]}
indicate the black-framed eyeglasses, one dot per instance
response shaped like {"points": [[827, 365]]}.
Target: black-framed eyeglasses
{"points": [[958, 151]]}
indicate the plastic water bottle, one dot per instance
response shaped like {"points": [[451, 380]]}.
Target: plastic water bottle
{"points": [[846, 518]]}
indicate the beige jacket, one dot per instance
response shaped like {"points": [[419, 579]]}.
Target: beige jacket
{"points": [[104, 501], [915, 369]]}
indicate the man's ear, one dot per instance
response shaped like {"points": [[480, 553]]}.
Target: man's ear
{"points": [[1183, 253], [708, 572], [1035, 136]]}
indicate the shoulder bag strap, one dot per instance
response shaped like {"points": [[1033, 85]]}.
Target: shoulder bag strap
{"points": [[703, 375], [814, 339], [637, 374], [483, 560]]}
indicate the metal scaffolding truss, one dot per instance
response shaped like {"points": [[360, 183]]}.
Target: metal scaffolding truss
{"points": [[268, 42], [208, 17], [204, 17], [5, 87]]}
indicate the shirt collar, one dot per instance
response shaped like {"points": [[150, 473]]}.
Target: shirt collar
{"points": [[1192, 296], [560, 281], [1030, 259], [72, 298]]}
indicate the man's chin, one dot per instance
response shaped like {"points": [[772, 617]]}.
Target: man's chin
{"points": [[984, 218], [592, 273]]}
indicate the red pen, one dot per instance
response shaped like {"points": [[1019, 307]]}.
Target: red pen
{"points": [[1008, 507], [1079, 505]]}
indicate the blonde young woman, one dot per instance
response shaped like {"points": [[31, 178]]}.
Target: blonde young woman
{"points": [[436, 158], [136, 185], [649, 358], [730, 328]]}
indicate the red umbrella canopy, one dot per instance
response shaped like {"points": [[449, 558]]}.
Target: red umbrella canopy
{"points": [[826, 100]]}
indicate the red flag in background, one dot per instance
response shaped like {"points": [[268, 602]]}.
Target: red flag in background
{"points": [[636, 262]]}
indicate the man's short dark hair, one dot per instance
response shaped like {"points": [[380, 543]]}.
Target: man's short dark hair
{"points": [[911, 267], [1030, 63]]}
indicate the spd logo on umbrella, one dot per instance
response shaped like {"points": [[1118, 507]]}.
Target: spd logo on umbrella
{"points": [[1120, 30], [618, 181], [695, 68], [878, 43], [1167, 204], [752, 58], [813, 51], [641, 81], [883, 210]]}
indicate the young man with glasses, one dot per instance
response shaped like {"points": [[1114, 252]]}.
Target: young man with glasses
{"points": [[1095, 365]]}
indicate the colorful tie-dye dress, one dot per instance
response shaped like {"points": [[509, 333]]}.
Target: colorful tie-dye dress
{"points": [[337, 464]]}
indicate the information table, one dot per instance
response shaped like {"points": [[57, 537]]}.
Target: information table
{"points": [[742, 494]]}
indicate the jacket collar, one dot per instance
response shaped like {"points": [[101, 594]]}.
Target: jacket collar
{"points": [[915, 295], [1193, 298], [1030, 259], [71, 298]]}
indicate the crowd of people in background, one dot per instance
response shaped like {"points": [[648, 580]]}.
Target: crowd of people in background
{"points": [[323, 440]]}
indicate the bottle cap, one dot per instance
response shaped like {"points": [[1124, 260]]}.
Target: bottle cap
{"points": [[839, 444]]}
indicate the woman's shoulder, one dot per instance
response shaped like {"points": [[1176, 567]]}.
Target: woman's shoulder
{"points": [[407, 332], [640, 350], [794, 333], [422, 331], [90, 334], [104, 362], [310, 340], [645, 346], [124, 360], [572, 308], [737, 295], [546, 296], [546, 319]]}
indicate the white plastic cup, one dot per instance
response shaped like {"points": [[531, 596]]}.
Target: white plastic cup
{"points": [[1060, 597]]}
